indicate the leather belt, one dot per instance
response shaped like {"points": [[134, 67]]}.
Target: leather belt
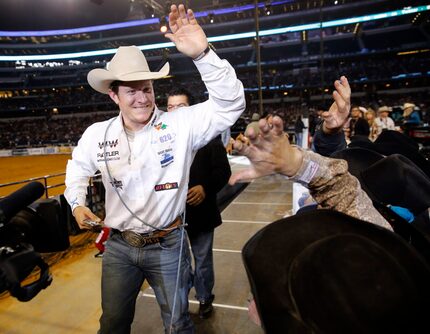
{"points": [[140, 240]]}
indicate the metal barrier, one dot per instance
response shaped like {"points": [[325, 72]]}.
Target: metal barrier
{"points": [[95, 191], [42, 179]]}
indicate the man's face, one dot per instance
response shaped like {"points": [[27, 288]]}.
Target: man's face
{"points": [[177, 101], [136, 101], [355, 113]]}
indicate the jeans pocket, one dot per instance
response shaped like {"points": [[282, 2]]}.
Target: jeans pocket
{"points": [[171, 241]]}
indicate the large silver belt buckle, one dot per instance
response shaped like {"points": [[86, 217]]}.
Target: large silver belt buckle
{"points": [[134, 239]]}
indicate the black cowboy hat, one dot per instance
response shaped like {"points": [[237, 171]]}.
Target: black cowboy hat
{"points": [[358, 158], [326, 272], [393, 142], [394, 179]]}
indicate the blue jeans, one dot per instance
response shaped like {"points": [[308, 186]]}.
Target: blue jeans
{"points": [[124, 270], [299, 139], [203, 280]]}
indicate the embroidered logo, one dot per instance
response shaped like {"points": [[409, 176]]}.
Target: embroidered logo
{"points": [[74, 203], [160, 126], [166, 160], [166, 186], [116, 183], [110, 143], [112, 155]]}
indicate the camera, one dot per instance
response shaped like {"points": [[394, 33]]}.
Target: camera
{"points": [[26, 229]]}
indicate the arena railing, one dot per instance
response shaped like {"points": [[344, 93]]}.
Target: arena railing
{"points": [[95, 191]]}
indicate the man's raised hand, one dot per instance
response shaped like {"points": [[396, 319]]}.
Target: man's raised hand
{"points": [[186, 33]]}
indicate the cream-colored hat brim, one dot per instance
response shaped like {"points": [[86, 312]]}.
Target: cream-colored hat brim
{"points": [[408, 105], [101, 79], [385, 109]]}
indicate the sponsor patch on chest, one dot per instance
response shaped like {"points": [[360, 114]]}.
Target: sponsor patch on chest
{"points": [[166, 186]]}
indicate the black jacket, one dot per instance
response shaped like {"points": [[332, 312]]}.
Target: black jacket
{"points": [[210, 169], [326, 144]]}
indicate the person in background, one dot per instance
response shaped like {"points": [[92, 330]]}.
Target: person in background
{"points": [[410, 115], [357, 122], [144, 155], [373, 128], [209, 173], [383, 121], [298, 131]]}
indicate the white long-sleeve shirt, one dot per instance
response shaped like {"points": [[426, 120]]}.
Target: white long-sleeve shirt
{"points": [[151, 176], [386, 123]]}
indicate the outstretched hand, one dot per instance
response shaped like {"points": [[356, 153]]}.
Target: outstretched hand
{"points": [[186, 33], [269, 151], [338, 114]]}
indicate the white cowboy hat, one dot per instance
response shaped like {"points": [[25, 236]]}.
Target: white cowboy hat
{"points": [[384, 108], [408, 105], [128, 64]]}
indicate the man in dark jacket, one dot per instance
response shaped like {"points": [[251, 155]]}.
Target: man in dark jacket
{"points": [[209, 173]]}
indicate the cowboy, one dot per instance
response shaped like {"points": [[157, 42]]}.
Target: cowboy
{"points": [[410, 115], [383, 121], [144, 156]]}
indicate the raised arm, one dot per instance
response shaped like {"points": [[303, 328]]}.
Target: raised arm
{"points": [[328, 179], [226, 96]]}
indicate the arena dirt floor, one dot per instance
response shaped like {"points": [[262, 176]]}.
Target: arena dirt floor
{"points": [[15, 169], [71, 304]]}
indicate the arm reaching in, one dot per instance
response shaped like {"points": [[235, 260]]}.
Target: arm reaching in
{"points": [[186, 33], [327, 179]]}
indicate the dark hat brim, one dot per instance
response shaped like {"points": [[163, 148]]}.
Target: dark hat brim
{"points": [[268, 256], [394, 179], [358, 158]]}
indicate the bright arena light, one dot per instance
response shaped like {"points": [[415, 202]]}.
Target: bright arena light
{"points": [[251, 34]]}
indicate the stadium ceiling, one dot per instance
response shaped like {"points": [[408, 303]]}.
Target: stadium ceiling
{"points": [[63, 14]]}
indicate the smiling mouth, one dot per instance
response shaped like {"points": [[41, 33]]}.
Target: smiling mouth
{"points": [[142, 107]]}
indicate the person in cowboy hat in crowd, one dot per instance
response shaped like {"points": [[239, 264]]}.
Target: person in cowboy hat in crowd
{"points": [[144, 155], [410, 115], [383, 121]]}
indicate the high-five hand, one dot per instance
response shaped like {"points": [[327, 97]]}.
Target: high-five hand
{"points": [[186, 33], [269, 151]]}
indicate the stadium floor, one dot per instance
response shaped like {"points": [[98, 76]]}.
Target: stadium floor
{"points": [[71, 304]]}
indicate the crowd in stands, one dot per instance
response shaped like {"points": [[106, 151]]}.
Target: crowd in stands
{"points": [[40, 131], [67, 129]]}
